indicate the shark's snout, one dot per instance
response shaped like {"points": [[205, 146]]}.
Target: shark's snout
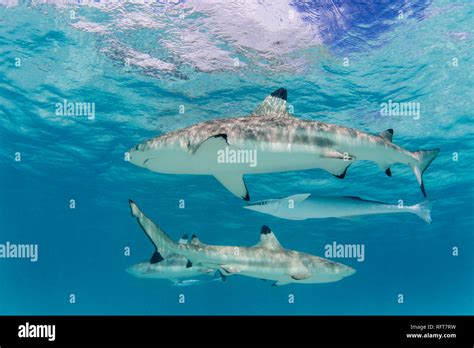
{"points": [[137, 156], [349, 271]]}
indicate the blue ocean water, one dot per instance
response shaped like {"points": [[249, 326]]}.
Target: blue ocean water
{"points": [[153, 67]]}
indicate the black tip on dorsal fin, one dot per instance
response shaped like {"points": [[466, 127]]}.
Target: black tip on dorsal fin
{"points": [[388, 172], [247, 197], [390, 131], [156, 257], [189, 264], [193, 236], [185, 236], [280, 93], [265, 230], [130, 202]]}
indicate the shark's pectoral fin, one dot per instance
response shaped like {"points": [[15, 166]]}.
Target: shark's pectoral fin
{"points": [[280, 283], [301, 274], [235, 183], [345, 156], [210, 145], [230, 269]]}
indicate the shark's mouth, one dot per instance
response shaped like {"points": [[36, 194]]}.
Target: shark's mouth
{"points": [[148, 159]]}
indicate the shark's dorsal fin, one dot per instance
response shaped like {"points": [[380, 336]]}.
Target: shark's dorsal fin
{"points": [[274, 105], [298, 198], [387, 135], [183, 239], [195, 240], [268, 239]]}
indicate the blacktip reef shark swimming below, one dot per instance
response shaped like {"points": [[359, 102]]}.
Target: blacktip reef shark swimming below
{"points": [[266, 260], [271, 140], [174, 268], [306, 206]]}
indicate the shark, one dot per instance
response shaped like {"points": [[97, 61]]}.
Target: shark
{"points": [[266, 260], [306, 206], [271, 140]]}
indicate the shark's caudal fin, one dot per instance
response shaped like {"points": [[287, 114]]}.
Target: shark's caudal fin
{"points": [[164, 245], [424, 159], [423, 210]]}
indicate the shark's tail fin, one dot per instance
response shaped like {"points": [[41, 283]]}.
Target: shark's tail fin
{"points": [[423, 210], [163, 243], [424, 159]]}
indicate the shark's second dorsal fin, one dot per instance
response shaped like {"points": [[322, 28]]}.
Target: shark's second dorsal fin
{"points": [[268, 239], [195, 240], [274, 105]]}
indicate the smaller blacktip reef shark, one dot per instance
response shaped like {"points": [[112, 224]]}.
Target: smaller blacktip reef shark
{"points": [[271, 140], [173, 268], [306, 206], [266, 260]]}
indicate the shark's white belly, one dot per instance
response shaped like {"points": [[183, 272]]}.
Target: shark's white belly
{"points": [[249, 160]]}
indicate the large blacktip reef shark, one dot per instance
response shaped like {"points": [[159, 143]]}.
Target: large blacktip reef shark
{"points": [[306, 206], [266, 260], [271, 140]]}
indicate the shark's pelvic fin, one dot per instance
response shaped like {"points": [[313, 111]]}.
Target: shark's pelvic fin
{"points": [[235, 183], [274, 105], [268, 239], [387, 135], [156, 257], [280, 283], [386, 168]]}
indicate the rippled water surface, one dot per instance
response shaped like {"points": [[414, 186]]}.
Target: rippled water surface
{"points": [[150, 67]]}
